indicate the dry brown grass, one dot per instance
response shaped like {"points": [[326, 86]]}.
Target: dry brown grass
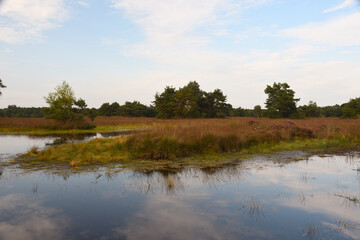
{"points": [[27, 122], [246, 127], [6, 122], [178, 138], [126, 120], [242, 127]]}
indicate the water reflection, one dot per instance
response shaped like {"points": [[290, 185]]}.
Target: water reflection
{"points": [[24, 218], [11, 145], [255, 199]]}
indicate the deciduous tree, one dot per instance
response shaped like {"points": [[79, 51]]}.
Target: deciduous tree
{"points": [[61, 104]]}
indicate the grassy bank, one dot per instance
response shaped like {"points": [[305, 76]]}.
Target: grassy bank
{"points": [[47, 131], [40, 126], [204, 142]]}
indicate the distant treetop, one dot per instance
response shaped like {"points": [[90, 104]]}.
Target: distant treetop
{"points": [[191, 102]]}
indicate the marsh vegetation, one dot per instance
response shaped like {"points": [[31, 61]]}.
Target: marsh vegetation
{"points": [[208, 142]]}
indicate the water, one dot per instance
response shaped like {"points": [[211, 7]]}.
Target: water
{"points": [[260, 198], [11, 145]]}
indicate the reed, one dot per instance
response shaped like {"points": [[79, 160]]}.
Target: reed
{"points": [[48, 126], [186, 137], [174, 142]]}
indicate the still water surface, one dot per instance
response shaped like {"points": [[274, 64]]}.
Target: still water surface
{"points": [[260, 198]]}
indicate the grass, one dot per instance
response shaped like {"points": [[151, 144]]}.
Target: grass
{"points": [[255, 208], [349, 198], [202, 142], [313, 230], [100, 152], [41, 126]]}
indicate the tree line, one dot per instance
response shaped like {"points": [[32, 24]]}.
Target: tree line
{"points": [[189, 101]]}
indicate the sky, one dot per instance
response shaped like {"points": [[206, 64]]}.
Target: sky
{"points": [[126, 50]]}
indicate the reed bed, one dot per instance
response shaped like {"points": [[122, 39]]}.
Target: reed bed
{"points": [[126, 120], [180, 138], [42, 125], [49, 123], [177, 140], [6, 122]]}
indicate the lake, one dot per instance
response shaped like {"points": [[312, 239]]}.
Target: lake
{"points": [[264, 197]]}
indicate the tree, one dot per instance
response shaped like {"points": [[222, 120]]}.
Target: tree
{"points": [[191, 102], [129, 109], [91, 113], [352, 108], [310, 110], [188, 101], [238, 112], [136, 109], [61, 104], [281, 102], [1, 86], [215, 106], [165, 103], [81, 104], [257, 111], [105, 109], [331, 111]]}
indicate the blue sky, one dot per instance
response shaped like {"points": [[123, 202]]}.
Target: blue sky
{"points": [[125, 50]]}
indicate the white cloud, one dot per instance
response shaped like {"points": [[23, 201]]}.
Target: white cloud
{"points": [[181, 53], [345, 4], [21, 20], [168, 21], [342, 31], [221, 32], [30, 219], [83, 3]]}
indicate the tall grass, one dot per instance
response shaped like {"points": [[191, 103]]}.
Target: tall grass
{"points": [[181, 138], [178, 139], [39, 125]]}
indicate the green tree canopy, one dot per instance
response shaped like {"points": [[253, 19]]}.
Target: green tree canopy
{"points": [[331, 111], [188, 100], [191, 102], [351, 109], [215, 106], [257, 111], [80, 103], [281, 101], [166, 103], [310, 110], [136, 109], [129, 109], [61, 104]]}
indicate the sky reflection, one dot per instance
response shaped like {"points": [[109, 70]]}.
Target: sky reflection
{"points": [[256, 199]]}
